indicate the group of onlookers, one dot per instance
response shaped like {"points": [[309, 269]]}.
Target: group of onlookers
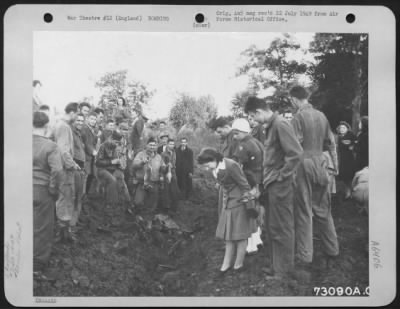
{"points": [[273, 172], [287, 166], [83, 155]]}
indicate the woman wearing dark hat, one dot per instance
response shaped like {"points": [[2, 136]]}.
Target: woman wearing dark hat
{"points": [[361, 148], [346, 142], [121, 110], [235, 226]]}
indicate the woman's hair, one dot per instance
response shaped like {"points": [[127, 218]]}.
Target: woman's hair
{"points": [[343, 123], [40, 119], [123, 101], [208, 155]]}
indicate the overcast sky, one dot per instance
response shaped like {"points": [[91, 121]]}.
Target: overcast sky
{"points": [[69, 63]]}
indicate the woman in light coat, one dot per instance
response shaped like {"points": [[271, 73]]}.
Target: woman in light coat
{"points": [[235, 226]]}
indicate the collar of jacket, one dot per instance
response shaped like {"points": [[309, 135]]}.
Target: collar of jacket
{"points": [[270, 121], [305, 106], [246, 138], [90, 128]]}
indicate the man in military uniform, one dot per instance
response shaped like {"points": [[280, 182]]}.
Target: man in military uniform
{"points": [[282, 155], [223, 129], [312, 197]]}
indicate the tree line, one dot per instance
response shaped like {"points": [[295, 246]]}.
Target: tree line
{"points": [[337, 78]]}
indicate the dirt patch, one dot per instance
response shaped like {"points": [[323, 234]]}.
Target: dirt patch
{"points": [[119, 254]]}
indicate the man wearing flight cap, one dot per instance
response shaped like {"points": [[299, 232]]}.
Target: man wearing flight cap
{"points": [[249, 153], [164, 136]]}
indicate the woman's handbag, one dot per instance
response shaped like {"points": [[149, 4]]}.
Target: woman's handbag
{"points": [[250, 205]]}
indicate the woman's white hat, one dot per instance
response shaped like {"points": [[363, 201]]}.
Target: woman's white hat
{"points": [[242, 125]]}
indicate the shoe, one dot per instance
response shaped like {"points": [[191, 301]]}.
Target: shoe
{"points": [[221, 273], [251, 253], [239, 270]]}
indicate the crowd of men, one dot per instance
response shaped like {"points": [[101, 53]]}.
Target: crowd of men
{"points": [[82, 155]]}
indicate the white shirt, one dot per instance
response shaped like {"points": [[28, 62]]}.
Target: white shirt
{"points": [[221, 166]]}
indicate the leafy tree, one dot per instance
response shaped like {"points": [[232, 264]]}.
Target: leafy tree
{"points": [[238, 101], [270, 68], [115, 84], [341, 75], [195, 112], [112, 84], [138, 94]]}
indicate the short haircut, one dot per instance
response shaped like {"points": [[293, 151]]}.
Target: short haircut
{"points": [[40, 119], [71, 107], [44, 107], [99, 110], [208, 155], [219, 122], [162, 122], [184, 138], [80, 115], [151, 140], [84, 104], [123, 101], [254, 103], [116, 136], [92, 114], [35, 82], [109, 121], [299, 92], [171, 140]]}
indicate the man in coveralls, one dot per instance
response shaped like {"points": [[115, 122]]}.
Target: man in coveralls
{"points": [[312, 196]]}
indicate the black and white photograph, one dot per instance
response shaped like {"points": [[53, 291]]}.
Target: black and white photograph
{"points": [[211, 164], [199, 155]]}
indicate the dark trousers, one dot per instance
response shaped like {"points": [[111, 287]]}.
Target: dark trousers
{"points": [[281, 225], [146, 199], [79, 178], [313, 207], [43, 225], [169, 195], [114, 182], [185, 184]]}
